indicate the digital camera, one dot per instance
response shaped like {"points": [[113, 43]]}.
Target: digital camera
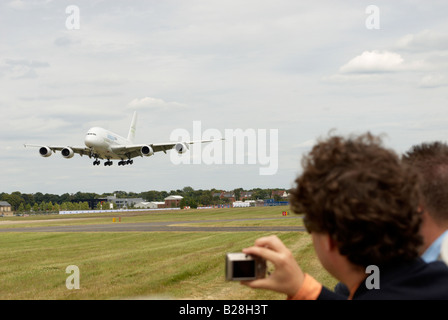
{"points": [[241, 266]]}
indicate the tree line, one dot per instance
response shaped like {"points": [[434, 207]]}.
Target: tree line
{"points": [[39, 202]]}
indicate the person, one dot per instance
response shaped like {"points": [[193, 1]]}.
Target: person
{"points": [[361, 207], [430, 160]]}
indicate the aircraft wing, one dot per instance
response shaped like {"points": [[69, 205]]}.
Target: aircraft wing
{"points": [[170, 145], [82, 151], [137, 150]]}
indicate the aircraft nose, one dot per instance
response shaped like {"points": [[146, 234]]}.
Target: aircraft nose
{"points": [[90, 140]]}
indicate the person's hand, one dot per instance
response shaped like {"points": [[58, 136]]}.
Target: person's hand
{"points": [[287, 277]]}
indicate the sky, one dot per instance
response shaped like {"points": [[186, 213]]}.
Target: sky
{"points": [[284, 72]]}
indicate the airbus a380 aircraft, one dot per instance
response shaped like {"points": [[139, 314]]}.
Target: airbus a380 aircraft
{"points": [[103, 144]]}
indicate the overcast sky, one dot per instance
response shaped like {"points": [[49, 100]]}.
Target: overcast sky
{"points": [[300, 67]]}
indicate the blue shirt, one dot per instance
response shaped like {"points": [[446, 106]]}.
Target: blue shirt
{"points": [[433, 252]]}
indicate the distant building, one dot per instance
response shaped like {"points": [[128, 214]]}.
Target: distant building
{"points": [[150, 205], [5, 208], [246, 195], [283, 194], [173, 201], [124, 202], [225, 195]]}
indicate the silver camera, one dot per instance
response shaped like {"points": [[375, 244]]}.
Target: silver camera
{"points": [[241, 266]]}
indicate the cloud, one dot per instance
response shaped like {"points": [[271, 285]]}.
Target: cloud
{"points": [[433, 81], [374, 66], [306, 144], [154, 104], [63, 41], [374, 62], [21, 5], [426, 40], [27, 63], [22, 68]]}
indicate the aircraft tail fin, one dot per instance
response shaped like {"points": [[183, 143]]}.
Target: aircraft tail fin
{"points": [[131, 134]]}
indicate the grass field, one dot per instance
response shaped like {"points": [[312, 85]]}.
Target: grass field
{"points": [[134, 265]]}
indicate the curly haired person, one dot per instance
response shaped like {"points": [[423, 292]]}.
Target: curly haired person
{"points": [[430, 161], [361, 207]]}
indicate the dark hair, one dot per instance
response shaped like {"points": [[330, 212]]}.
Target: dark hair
{"points": [[430, 160], [360, 194]]}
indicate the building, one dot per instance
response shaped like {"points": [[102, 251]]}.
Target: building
{"points": [[124, 203], [280, 193], [5, 208], [225, 195], [173, 201], [246, 195], [150, 205]]}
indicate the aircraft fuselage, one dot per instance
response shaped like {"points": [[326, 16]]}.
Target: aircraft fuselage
{"points": [[100, 140]]}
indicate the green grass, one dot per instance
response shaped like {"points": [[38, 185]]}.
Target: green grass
{"points": [[158, 216], [150, 265]]}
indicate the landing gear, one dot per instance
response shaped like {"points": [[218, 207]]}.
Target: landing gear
{"points": [[125, 162], [108, 163]]}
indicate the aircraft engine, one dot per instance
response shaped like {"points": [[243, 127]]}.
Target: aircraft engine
{"points": [[45, 152], [67, 153], [181, 147], [147, 151]]}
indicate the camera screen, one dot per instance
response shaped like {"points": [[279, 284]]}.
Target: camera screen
{"points": [[243, 269]]}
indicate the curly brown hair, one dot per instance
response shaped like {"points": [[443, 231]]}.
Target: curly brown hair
{"points": [[359, 193], [430, 160]]}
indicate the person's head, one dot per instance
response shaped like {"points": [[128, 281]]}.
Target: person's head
{"points": [[430, 160], [358, 192]]}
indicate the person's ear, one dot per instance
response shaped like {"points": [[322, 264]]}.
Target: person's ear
{"points": [[329, 243]]}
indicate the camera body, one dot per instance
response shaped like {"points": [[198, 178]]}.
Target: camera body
{"points": [[241, 266]]}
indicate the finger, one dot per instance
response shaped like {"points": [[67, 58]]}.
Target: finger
{"points": [[272, 242], [262, 252]]}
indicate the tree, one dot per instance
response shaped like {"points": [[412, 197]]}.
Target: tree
{"points": [[14, 199], [237, 193], [84, 205], [38, 197], [260, 194]]}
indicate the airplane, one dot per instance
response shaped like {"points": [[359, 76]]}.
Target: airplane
{"points": [[106, 145]]}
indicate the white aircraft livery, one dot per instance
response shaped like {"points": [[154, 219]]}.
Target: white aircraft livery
{"points": [[103, 144]]}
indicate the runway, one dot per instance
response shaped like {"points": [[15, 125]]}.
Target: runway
{"points": [[166, 226]]}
